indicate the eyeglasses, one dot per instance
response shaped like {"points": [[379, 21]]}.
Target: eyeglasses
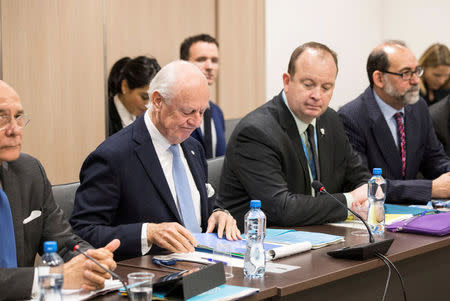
{"points": [[21, 120], [408, 74]]}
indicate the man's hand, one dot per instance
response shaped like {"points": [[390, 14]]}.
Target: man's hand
{"points": [[171, 236], [224, 221], [80, 272], [441, 187], [360, 204]]}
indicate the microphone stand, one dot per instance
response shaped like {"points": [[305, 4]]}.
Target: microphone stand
{"points": [[361, 251]]}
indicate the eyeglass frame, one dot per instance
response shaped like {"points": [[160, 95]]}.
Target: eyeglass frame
{"points": [[26, 119], [419, 69]]}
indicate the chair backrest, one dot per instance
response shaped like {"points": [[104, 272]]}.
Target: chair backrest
{"points": [[230, 124], [64, 195], [215, 171]]}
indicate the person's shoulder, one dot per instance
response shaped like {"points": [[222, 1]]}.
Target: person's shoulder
{"points": [[24, 161], [441, 107], [354, 106]]}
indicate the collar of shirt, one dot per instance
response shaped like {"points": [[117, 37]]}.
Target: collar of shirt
{"points": [[301, 126], [160, 142], [388, 114], [125, 117]]}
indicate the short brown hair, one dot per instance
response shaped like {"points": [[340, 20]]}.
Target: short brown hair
{"points": [[313, 45]]}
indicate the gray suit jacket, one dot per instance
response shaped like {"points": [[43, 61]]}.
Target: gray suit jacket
{"points": [[265, 161], [27, 187]]}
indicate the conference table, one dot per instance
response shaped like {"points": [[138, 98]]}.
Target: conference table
{"points": [[423, 261]]}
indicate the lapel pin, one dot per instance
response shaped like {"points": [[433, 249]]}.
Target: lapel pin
{"points": [[192, 152], [322, 131]]}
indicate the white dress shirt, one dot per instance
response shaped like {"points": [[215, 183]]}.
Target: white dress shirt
{"points": [[126, 118], [388, 114]]}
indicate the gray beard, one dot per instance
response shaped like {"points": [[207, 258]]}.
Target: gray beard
{"points": [[411, 96]]}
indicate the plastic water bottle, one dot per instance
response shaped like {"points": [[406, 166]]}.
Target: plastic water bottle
{"points": [[376, 194], [51, 273], [255, 232]]}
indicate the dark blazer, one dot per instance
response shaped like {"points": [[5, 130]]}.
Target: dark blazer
{"points": [[440, 114], [27, 188], [370, 136], [219, 123], [115, 123], [265, 161], [122, 186]]}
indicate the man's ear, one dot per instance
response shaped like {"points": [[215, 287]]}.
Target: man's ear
{"points": [[286, 80], [157, 101], [378, 79]]}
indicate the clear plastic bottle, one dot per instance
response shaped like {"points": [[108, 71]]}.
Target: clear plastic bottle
{"points": [[376, 194], [255, 232], [51, 273]]}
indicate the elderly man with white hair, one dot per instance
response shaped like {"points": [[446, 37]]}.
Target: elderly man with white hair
{"points": [[147, 184]]}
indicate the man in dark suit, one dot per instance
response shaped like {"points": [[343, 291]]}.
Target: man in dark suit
{"points": [[270, 156], [440, 114], [390, 127], [30, 216], [203, 51], [131, 186]]}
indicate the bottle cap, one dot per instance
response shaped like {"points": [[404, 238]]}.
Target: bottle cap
{"points": [[255, 204], [50, 246], [377, 171]]}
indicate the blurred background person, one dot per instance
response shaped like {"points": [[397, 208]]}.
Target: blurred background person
{"points": [[128, 84], [435, 82]]}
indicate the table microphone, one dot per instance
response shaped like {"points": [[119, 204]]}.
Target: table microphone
{"points": [[71, 245], [358, 252]]}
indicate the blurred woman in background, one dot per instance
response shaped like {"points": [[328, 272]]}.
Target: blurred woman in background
{"points": [[435, 82], [128, 84]]}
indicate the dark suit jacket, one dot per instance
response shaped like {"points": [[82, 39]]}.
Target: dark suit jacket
{"points": [[219, 123], [115, 124], [440, 114], [122, 186], [265, 161], [27, 187], [370, 136]]}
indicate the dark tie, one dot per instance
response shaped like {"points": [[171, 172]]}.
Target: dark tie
{"points": [[401, 140], [8, 257], [207, 133], [183, 190], [313, 160]]}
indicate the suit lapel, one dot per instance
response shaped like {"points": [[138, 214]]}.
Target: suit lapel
{"points": [[149, 159], [192, 158], [324, 145], [412, 129], [287, 122], [9, 178], [382, 135]]}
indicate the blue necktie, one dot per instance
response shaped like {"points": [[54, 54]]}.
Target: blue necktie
{"points": [[183, 190], [8, 257]]}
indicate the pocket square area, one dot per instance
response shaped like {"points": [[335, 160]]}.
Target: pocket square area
{"points": [[34, 214]]}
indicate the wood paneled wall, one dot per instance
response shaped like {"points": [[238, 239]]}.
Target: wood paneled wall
{"points": [[57, 55]]}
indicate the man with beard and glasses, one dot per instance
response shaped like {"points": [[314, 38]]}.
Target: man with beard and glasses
{"points": [[390, 127]]}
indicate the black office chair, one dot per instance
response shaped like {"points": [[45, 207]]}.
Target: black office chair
{"points": [[215, 171], [64, 195]]}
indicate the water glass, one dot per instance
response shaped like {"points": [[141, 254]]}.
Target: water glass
{"points": [[140, 286], [222, 253]]}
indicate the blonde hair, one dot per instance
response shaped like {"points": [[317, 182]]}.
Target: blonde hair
{"points": [[436, 55]]}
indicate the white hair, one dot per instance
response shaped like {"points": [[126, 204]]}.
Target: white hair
{"points": [[165, 81]]}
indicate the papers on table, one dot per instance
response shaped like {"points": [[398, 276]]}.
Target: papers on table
{"points": [[290, 236], [79, 294], [225, 292]]}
